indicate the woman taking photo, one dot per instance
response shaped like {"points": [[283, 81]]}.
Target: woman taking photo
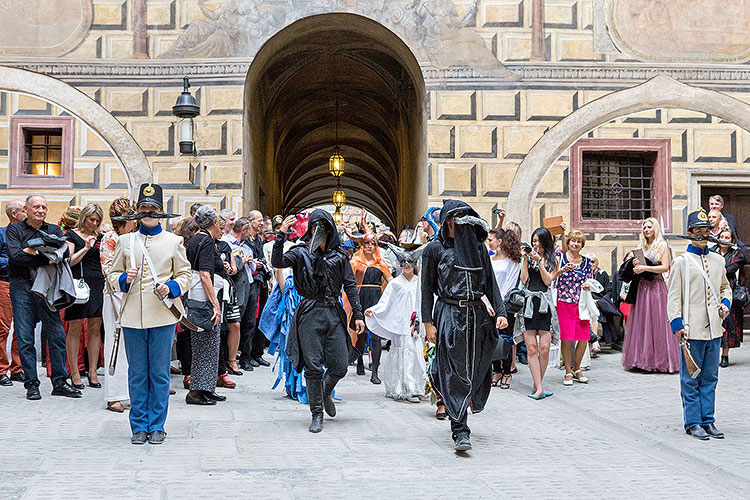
{"points": [[506, 264], [202, 296], [115, 386], [85, 262], [734, 260], [575, 334], [539, 318], [649, 343]]}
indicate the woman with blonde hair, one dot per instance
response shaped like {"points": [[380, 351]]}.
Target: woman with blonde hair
{"points": [[574, 271], [83, 241], [649, 344]]}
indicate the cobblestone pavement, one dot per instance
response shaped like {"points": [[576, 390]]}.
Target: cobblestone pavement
{"points": [[620, 436]]}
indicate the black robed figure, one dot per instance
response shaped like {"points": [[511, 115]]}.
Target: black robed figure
{"points": [[318, 336], [456, 267]]}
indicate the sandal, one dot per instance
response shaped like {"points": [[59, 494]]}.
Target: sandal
{"points": [[115, 406], [582, 379], [495, 381], [505, 381], [566, 381]]}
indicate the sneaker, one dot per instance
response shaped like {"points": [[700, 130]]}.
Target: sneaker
{"points": [[462, 443]]}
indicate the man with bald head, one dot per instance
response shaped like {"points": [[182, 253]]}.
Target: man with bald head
{"points": [[252, 340], [28, 307], [16, 212]]}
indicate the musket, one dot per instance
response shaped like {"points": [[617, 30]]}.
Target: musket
{"points": [[710, 239]]}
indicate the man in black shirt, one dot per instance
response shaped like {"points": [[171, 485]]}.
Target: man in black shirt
{"points": [[28, 308], [318, 335], [16, 212]]}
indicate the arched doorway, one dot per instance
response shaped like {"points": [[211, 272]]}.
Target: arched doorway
{"points": [[659, 92], [291, 95], [113, 133]]}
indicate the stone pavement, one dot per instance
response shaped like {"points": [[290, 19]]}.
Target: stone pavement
{"points": [[618, 437]]}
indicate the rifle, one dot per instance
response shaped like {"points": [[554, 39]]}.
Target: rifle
{"points": [[692, 367]]}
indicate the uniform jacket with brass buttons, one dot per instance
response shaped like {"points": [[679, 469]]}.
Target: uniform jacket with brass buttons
{"points": [[702, 314], [143, 309]]}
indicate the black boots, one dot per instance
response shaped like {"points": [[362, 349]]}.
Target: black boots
{"points": [[315, 400], [724, 361], [329, 383], [360, 366]]}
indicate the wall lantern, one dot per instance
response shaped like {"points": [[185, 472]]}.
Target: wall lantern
{"points": [[339, 197], [186, 109]]}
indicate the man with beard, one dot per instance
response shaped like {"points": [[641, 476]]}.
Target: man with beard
{"points": [[456, 267], [318, 335]]}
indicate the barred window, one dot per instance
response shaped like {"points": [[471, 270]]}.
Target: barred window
{"points": [[617, 183], [43, 151]]}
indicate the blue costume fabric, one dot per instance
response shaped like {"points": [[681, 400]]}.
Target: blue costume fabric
{"points": [[275, 322]]}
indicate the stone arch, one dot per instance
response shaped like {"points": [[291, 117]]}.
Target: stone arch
{"points": [[659, 92], [291, 91], [123, 146]]}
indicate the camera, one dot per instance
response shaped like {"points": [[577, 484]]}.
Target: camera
{"points": [[526, 248]]}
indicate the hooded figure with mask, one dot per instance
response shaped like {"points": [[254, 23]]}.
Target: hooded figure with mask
{"points": [[463, 323], [318, 337]]}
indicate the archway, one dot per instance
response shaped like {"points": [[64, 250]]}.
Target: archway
{"points": [[659, 92], [126, 150], [291, 95]]}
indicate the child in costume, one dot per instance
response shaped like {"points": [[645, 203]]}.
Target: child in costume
{"points": [[396, 318]]}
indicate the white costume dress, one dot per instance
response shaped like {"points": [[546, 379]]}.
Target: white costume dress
{"points": [[403, 366]]}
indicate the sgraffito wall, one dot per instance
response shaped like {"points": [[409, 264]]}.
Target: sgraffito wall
{"points": [[489, 100]]}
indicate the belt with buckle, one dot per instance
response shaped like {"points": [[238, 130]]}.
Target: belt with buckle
{"points": [[461, 302]]}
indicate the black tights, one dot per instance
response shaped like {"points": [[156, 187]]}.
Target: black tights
{"points": [[376, 348], [502, 366]]}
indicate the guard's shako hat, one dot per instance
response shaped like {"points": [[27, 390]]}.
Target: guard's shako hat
{"points": [[150, 194], [697, 219]]}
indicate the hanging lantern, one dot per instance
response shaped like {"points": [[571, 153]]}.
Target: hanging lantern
{"points": [[339, 197], [186, 109], [336, 163], [338, 217]]}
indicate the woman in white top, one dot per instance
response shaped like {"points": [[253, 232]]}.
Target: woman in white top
{"points": [[506, 263]]}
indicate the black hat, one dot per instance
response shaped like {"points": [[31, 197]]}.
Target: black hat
{"points": [[697, 218], [277, 220], [150, 194]]}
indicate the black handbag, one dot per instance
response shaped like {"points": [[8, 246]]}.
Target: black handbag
{"points": [[740, 296], [199, 313]]}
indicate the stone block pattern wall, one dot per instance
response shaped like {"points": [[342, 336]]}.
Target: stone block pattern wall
{"points": [[505, 25], [147, 115]]}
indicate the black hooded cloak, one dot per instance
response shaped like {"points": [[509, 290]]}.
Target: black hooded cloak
{"points": [[459, 269], [318, 277]]}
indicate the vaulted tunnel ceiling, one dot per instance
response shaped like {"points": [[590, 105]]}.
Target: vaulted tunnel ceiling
{"points": [[295, 101]]}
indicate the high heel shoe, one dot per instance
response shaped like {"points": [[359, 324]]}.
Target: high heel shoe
{"points": [[186, 382], [95, 385], [224, 381], [233, 371], [76, 386]]}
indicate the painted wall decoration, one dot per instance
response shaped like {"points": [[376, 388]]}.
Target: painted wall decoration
{"points": [[433, 29], [681, 30], [43, 27]]}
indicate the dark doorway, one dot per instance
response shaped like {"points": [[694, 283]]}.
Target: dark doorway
{"points": [[336, 80]]}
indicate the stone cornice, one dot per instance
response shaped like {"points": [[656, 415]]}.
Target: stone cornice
{"points": [[232, 71]]}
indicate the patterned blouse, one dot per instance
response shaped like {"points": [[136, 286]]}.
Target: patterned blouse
{"points": [[107, 252], [569, 284]]}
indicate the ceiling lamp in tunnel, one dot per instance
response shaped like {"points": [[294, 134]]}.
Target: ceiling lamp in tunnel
{"points": [[338, 217], [339, 197], [336, 161]]}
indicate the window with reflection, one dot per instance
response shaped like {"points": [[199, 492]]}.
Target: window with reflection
{"points": [[43, 152]]}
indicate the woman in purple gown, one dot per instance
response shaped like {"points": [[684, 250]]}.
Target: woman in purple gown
{"points": [[649, 343]]}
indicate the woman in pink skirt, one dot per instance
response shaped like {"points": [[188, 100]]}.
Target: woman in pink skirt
{"points": [[575, 334], [649, 344]]}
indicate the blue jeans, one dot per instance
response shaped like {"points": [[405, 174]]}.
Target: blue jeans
{"points": [[699, 394], [28, 308], [149, 352]]}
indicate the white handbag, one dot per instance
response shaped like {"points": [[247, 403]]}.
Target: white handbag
{"points": [[83, 292]]}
